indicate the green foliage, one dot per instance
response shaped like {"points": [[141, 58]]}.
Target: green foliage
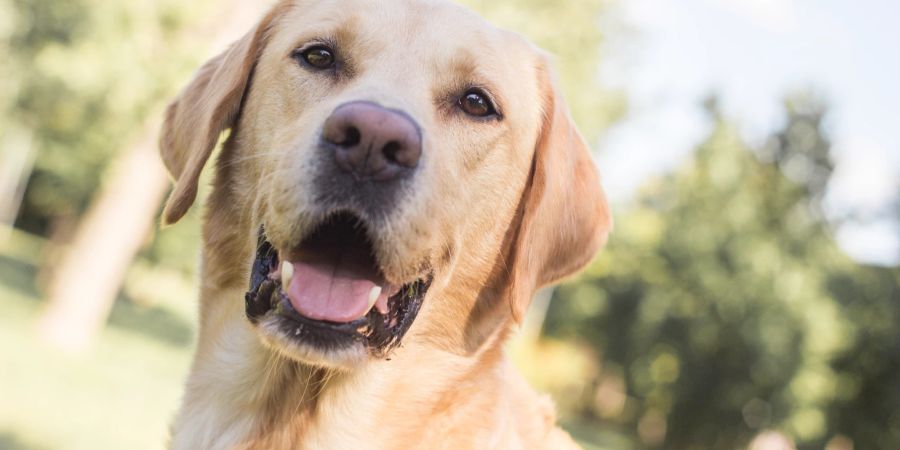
{"points": [[569, 31], [867, 372], [723, 307], [81, 77]]}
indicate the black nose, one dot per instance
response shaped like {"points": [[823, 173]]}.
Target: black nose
{"points": [[371, 141]]}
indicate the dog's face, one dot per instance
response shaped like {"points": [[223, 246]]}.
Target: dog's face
{"points": [[384, 156]]}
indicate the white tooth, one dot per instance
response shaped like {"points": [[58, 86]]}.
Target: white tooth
{"points": [[373, 296], [287, 273]]}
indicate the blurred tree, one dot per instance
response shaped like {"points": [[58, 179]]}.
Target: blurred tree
{"points": [[717, 309], [90, 79], [86, 74], [116, 225], [868, 372], [90, 273], [78, 82]]}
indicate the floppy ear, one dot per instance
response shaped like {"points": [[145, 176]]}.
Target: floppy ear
{"points": [[206, 107], [563, 215]]}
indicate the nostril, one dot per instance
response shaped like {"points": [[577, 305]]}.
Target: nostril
{"points": [[351, 138], [391, 151]]}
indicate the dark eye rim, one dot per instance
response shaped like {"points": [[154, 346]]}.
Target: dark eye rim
{"points": [[300, 55], [494, 110]]}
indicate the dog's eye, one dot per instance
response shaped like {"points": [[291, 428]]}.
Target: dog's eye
{"points": [[318, 57], [477, 103]]}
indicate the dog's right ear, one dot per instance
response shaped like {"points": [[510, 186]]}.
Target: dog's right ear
{"points": [[206, 107], [564, 216]]}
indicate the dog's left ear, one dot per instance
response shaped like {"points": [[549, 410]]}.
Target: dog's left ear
{"points": [[206, 107], [563, 215]]}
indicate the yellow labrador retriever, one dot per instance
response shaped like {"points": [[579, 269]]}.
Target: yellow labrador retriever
{"points": [[399, 179]]}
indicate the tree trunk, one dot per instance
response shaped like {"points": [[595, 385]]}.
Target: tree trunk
{"points": [[87, 279], [91, 272], [17, 157]]}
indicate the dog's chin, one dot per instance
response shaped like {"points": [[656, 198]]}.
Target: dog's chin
{"points": [[277, 335], [325, 302]]}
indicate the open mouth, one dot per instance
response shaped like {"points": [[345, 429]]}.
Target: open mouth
{"points": [[329, 291]]}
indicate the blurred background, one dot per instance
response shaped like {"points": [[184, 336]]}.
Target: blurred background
{"points": [[748, 297]]}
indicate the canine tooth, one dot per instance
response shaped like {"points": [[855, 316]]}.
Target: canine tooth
{"points": [[373, 296], [287, 273]]}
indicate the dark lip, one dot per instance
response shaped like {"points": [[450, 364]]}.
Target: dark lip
{"points": [[379, 333]]}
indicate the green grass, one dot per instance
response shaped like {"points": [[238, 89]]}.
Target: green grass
{"points": [[120, 395]]}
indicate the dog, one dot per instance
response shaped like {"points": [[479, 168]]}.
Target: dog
{"points": [[398, 179]]}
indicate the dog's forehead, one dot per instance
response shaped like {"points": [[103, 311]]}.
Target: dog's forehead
{"points": [[434, 36], [413, 19]]}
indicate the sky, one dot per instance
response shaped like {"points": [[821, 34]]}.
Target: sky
{"points": [[753, 53]]}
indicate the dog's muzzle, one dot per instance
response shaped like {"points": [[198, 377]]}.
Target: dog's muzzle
{"points": [[328, 292]]}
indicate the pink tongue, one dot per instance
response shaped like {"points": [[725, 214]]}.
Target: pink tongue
{"points": [[325, 292]]}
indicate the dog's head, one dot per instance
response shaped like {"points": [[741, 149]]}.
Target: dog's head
{"points": [[383, 156]]}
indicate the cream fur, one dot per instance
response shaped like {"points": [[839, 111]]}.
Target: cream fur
{"points": [[499, 209]]}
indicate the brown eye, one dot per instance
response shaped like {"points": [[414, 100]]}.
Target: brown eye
{"points": [[476, 103], [318, 57]]}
